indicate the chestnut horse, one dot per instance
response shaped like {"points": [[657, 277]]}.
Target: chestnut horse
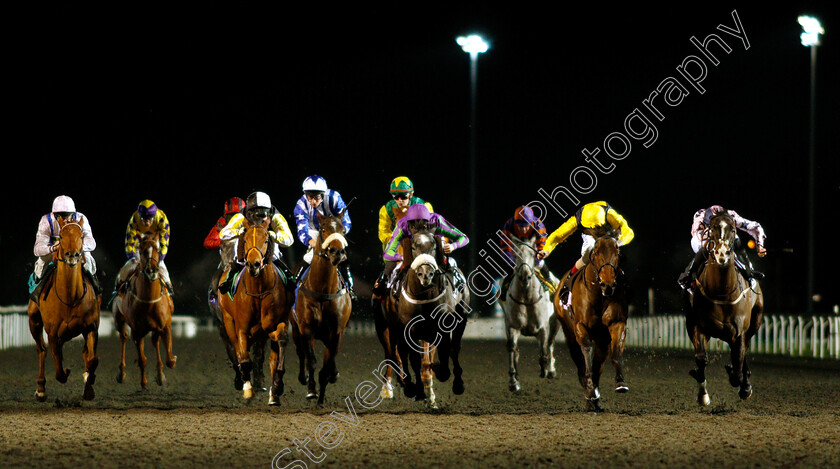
{"points": [[426, 318], [594, 319], [67, 307], [724, 305], [257, 309], [145, 306], [322, 307]]}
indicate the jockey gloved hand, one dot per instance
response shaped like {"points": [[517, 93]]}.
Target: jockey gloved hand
{"points": [[761, 250], [542, 254], [448, 247]]}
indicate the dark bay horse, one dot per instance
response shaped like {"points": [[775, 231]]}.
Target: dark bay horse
{"points": [[257, 309], [724, 305], [145, 307], [322, 307], [67, 307], [594, 320], [427, 317]]}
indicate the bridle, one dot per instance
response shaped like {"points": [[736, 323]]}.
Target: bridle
{"points": [[263, 255], [531, 276], [601, 267], [72, 263]]}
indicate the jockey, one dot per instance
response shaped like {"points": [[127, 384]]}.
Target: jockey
{"points": [[524, 225], [402, 197], [698, 229], [318, 199], [257, 211], [147, 220], [232, 206], [594, 219], [418, 218], [46, 243]]}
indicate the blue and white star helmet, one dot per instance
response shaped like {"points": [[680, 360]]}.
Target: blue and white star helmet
{"points": [[314, 183]]}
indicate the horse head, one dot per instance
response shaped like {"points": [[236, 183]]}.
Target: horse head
{"points": [[604, 257], [720, 238], [149, 263], [525, 254], [423, 253], [332, 244], [70, 243], [257, 248]]}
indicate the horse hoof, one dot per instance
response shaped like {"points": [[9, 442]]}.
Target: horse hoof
{"points": [[302, 379], [693, 373], [551, 375], [273, 400], [89, 393], [247, 390], [387, 391], [514, 387], [120, 377], [458, 387], [238, 383], [621, 388], [409, 390], [594, 405], [334, 377], [160, 380], [62, 378], [311, 395], [703, 400], [543, 374], [745, 393], [431, 405], [40, 396], [171, 363]]}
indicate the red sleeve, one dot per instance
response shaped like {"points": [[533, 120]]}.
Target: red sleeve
{"points": [[212, 241]]}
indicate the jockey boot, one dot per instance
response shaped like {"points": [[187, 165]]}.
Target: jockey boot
{"points": [[378, 288], [688, 276], [290, 277], [748, 265], [224, 287], [169, 287], [348, 280], [94, 280], [45, 273]]}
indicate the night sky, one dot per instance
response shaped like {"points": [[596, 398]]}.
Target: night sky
{"points": [[191, 107]]}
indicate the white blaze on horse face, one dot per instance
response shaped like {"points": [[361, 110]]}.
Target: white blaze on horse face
{"points": [[425, 267]]}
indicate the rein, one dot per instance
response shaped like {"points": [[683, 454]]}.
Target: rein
{"points": [[533, 276]]}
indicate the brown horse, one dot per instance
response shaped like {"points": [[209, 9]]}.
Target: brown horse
{"points": [[67, 307], [322, 307], [725, 306], [595, 318], [426, 318], [257, 310], [145, 306]]}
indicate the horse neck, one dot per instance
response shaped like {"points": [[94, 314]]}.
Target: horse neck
{"points": [[264, 281], [69, 283], [146, 288], [720, 278], [322, 272], [522, 293]]}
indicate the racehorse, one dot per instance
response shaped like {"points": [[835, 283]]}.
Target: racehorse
{"points": [[427, 317], [257, 349], [322, 307], [145, 306], [594, 319], [67, 307], [529, 311], [257, 309], [725, 306]]}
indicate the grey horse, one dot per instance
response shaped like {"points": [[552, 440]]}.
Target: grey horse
{"points": [[529, 311]]}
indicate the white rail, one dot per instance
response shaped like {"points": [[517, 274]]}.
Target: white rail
{"points": [[14, 326]]}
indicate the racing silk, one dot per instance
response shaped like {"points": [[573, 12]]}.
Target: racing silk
{"points": [[213, 241], [306, 220], [136, 228], [48, 230], [752, 228], [508, 230], [391, 213], [592, 218], [437, 225], [238, 224]]}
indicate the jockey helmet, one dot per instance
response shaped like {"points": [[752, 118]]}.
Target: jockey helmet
{"points": [[418, 216], [401, 185], [712, 211], [63, 203], [258, 205], [234, 205], [147, 209], [523, 219], [314, 184]]}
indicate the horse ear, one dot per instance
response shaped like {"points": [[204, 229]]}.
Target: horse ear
{"points": [[320, 217]]}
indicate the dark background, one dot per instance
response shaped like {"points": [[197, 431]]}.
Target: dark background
{"points": [[189, 107]]}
